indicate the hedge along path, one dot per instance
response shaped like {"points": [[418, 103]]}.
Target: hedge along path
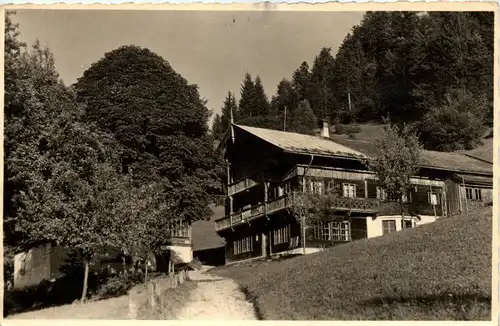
{"points": [[215, 298]]}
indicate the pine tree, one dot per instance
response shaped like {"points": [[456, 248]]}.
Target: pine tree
{"points": [[261, 103], [302, 119], [301, 82], [247, 99], [322, 85], [221, 122]]}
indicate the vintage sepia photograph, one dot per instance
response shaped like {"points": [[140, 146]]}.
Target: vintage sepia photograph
{"points": [[249, 164]]}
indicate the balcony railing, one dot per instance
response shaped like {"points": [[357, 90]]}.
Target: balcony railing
{"points": [[366, 205], [240, 186]]}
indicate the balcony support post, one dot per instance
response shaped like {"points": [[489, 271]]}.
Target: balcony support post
{"points": [[263, 241]]}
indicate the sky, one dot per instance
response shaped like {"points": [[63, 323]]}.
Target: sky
{"points": [[213, 49]]}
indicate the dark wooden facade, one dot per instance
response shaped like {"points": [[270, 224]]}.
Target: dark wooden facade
{"points": [[262, 176]]}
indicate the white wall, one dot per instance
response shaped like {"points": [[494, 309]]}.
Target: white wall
{"points": [[309, 250], [184, 253], [374, 227], [32, 267]]}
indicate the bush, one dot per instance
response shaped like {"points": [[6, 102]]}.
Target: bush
{"points": [[339, 129], [116, 285], [352, 130], [347, 129]]}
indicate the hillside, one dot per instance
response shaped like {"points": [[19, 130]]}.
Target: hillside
{"points": [[371, 132], [439, 271]]}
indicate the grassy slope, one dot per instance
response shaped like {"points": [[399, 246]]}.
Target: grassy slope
{"points": [[439, 271]]}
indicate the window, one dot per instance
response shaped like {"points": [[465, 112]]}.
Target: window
{"points": [[243, 245], [432, 198], [333, 231], [381, 194], [281, 235], [473, 193], [316, 187], [180, 229], [388, 226], [340, 231], [408, 223], [349, 190]]}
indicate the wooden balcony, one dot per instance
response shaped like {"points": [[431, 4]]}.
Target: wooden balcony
{"points": [[359, 205], [241, 185]]}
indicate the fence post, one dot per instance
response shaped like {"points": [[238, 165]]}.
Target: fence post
{"points": [[151, 294], [132, 306]]}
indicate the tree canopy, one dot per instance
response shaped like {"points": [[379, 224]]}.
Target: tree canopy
{"points": [[399, 65], [160, 123]]}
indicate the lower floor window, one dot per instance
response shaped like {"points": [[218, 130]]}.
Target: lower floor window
{"points": [[473, 193], [333, 231], [408, 223], [388, 226], [281, 235], [242, 246]]}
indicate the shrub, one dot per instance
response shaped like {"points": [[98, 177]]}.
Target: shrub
{"points": [[352, 130], [116, 285]]}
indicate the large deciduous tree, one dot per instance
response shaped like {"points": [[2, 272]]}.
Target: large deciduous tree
{"points": [[61, 187], [160, 122]]}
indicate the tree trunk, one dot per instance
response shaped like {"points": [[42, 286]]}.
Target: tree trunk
{"points": [[85, 282], [125, 272], [402, 214]]}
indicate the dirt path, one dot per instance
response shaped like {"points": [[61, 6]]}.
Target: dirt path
{"points": [[213, 298], [216, 298]]}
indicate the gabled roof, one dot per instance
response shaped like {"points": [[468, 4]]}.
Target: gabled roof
{"points": [[451, 161], [301, 144], [341, 147]]}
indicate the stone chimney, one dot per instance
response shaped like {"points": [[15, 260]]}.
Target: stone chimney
{"points": [[325, 131]]}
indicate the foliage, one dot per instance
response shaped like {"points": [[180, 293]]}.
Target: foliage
{"points": [[148, 221], [438, 271], [285, 100], [301, 81], [54, 163], [396, 161], [399, 65], [312, 208], [268, 122], [221, 122], [347, 129], [302, 119], [352, 130], [115, 286], [321, 95], [457, 124], [253, 100], [160, 122]]}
